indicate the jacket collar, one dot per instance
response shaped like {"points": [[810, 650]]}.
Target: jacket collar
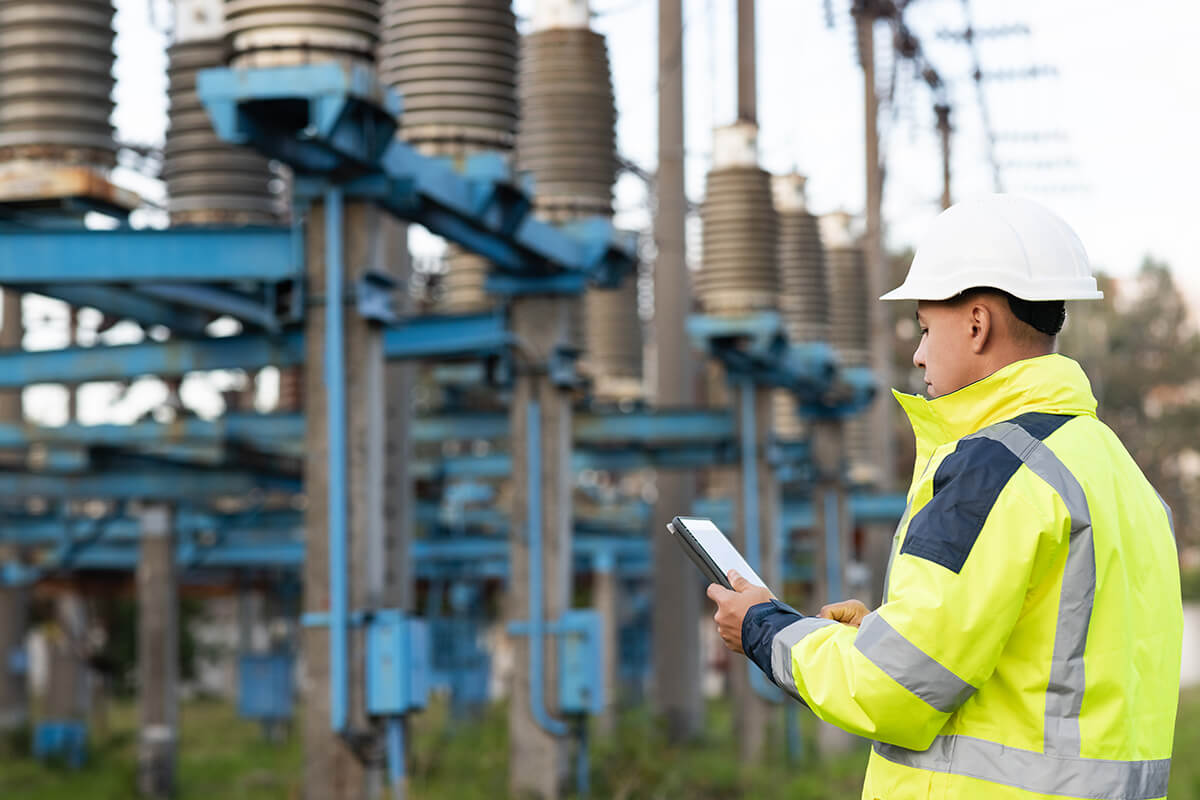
{"points": [[1052, 384]]}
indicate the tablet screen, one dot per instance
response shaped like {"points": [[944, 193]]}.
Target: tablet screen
{"points": [[719, 549]]}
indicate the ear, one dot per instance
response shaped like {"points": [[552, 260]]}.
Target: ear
{"points": [[981, 321]]}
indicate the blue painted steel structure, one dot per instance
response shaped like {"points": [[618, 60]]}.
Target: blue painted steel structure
{"points": [[335, 127]]}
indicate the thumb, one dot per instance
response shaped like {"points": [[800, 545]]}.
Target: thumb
{"points": [[717, 593], [739, 583]]}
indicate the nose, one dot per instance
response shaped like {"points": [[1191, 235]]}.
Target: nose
{"points": [[919, 353]]}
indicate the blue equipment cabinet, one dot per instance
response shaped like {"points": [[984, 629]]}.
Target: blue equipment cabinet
{"points": [[580, 663], [397, 664], [265, 686]]}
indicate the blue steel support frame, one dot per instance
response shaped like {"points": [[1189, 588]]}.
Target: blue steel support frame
{"points": [[344, 128]]}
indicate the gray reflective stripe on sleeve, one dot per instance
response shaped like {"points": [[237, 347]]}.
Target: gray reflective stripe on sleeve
{"points": [[887, 575], [1041, 773], [909, 666], [781, 651], [1064, 694]]}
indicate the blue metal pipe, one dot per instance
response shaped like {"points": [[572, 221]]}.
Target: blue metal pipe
{"points": [[335, 420], [537, 625], [749, 475], [750, 516], [833, 550], [395, 756]]}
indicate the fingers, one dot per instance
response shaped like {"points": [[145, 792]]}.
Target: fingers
{"points": [[850, 612]]}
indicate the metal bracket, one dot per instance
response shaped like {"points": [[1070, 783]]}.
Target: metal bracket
{"points": [[375, 297]]}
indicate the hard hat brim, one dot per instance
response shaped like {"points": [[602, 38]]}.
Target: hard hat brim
{"points": [[946, 291]]}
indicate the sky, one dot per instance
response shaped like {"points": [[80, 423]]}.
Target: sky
{"points": [[1125, 104]]}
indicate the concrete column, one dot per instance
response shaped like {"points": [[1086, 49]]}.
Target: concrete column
{"points": [[68, 693], [677, 585], [400, 380], [333, 768], [537, 759], [158, 653], [14, 600], [14, 685], [606, 600], [12, 331], [751, 712], [831, 533], [882, 409]]}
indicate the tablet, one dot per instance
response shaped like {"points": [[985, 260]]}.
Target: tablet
{"points": [[711, 551]]}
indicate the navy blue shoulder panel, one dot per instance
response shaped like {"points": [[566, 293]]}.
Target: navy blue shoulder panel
{"points": [[1040, 426], [965, 488]]}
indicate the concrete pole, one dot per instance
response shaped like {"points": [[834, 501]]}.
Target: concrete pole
{"points": [[67, 696], [943, 125], [606, 600], [399, 589], [401, 379], [158, 653], [538, 759], [831, 537], [14, 600], [747, 52], [12, 331], [333, 769], [677, 590], [877, 278], [751, 713]]}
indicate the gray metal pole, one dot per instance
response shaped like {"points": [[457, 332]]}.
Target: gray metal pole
{"points": [[677, 586], [537, 756], [747, 53], [333, 770], [158, 653]]}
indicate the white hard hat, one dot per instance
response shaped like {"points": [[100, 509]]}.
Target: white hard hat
{"points": [[999, 242]]}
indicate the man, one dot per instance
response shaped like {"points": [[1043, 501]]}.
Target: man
{"points": [[1029, 639]]}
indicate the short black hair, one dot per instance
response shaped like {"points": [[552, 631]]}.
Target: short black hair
{"points": [[1044, 316]]}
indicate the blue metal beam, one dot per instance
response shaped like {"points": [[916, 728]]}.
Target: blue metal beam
{"points": [[175, 255], [159, 483], [440, 337], [127, 304], [216, 301], [653, 426], [172, 358], [447, 336]]}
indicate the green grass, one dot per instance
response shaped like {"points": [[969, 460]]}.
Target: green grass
{"points": [[224, 757], [220, 756]]}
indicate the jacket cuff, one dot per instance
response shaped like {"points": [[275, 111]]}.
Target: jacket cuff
{"points": [[759, 626]]}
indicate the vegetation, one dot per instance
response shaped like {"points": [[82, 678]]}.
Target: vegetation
{"points": [[222, 756]]}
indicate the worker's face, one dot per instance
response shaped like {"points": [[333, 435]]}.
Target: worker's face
{"points": [[945, 351]]}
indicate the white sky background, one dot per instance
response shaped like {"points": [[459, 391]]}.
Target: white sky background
{"points": [[1127, 97]]}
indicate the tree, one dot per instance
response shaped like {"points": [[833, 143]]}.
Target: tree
{"points": [[1142, 353]]}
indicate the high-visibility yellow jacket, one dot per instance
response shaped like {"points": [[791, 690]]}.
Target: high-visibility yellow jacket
{"points": [[1029, 640]]}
